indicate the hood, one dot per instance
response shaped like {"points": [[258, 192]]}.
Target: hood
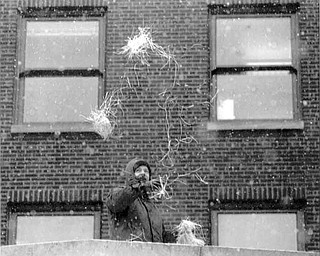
{"points": [[134, 164]]}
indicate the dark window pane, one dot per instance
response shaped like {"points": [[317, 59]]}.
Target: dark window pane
{"points": [[255, 95], [59, 99], [253, 41], [62, 44]]}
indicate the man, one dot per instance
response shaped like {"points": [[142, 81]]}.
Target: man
{"points": [[134, 215]]}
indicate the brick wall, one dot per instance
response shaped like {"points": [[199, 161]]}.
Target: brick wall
{"points": [[81, 166]]}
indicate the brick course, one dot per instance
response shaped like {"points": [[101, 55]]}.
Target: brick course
{"points": [[257, 164]]}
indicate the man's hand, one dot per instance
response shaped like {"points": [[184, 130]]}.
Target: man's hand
{"points": [[143, 184], [145, 188], [134, 182]]}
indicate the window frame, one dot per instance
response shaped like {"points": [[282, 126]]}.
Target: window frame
{"points": [[251, 206], [225, 12], [299, 223], [52, 209], [56, 14]]}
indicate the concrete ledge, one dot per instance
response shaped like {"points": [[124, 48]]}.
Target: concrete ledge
{"points": [[122, 248], [225, 251], [99, 248]]}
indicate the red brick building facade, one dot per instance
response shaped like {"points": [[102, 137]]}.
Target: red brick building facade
{"points": [[196, 114]]}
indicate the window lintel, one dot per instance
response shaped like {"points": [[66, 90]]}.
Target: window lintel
{"points": [[27, 207], [62, 11], [254, 204], [52, 127], [264, 8]]}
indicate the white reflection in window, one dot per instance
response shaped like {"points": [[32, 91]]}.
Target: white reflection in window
{"points": [[226, 109]]}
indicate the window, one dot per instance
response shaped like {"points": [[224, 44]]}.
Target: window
{"points": [[60, 69], [259, 230], [254, 67], [259, 225], [35, 223]]}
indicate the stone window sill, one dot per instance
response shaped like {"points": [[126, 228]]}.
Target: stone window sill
{"points": [[51, 127], [255, 125]]}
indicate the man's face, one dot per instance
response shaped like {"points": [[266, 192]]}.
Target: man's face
{"points": [[142, 173]]}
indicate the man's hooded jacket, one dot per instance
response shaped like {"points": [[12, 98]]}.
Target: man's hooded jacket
{"points": [[134, 216]]}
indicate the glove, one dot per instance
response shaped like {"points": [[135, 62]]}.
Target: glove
{"points": [[145, 188], [145, 185], [133, 182]]}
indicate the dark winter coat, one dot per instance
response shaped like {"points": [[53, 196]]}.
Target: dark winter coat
{"points": [[134, 216]]}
